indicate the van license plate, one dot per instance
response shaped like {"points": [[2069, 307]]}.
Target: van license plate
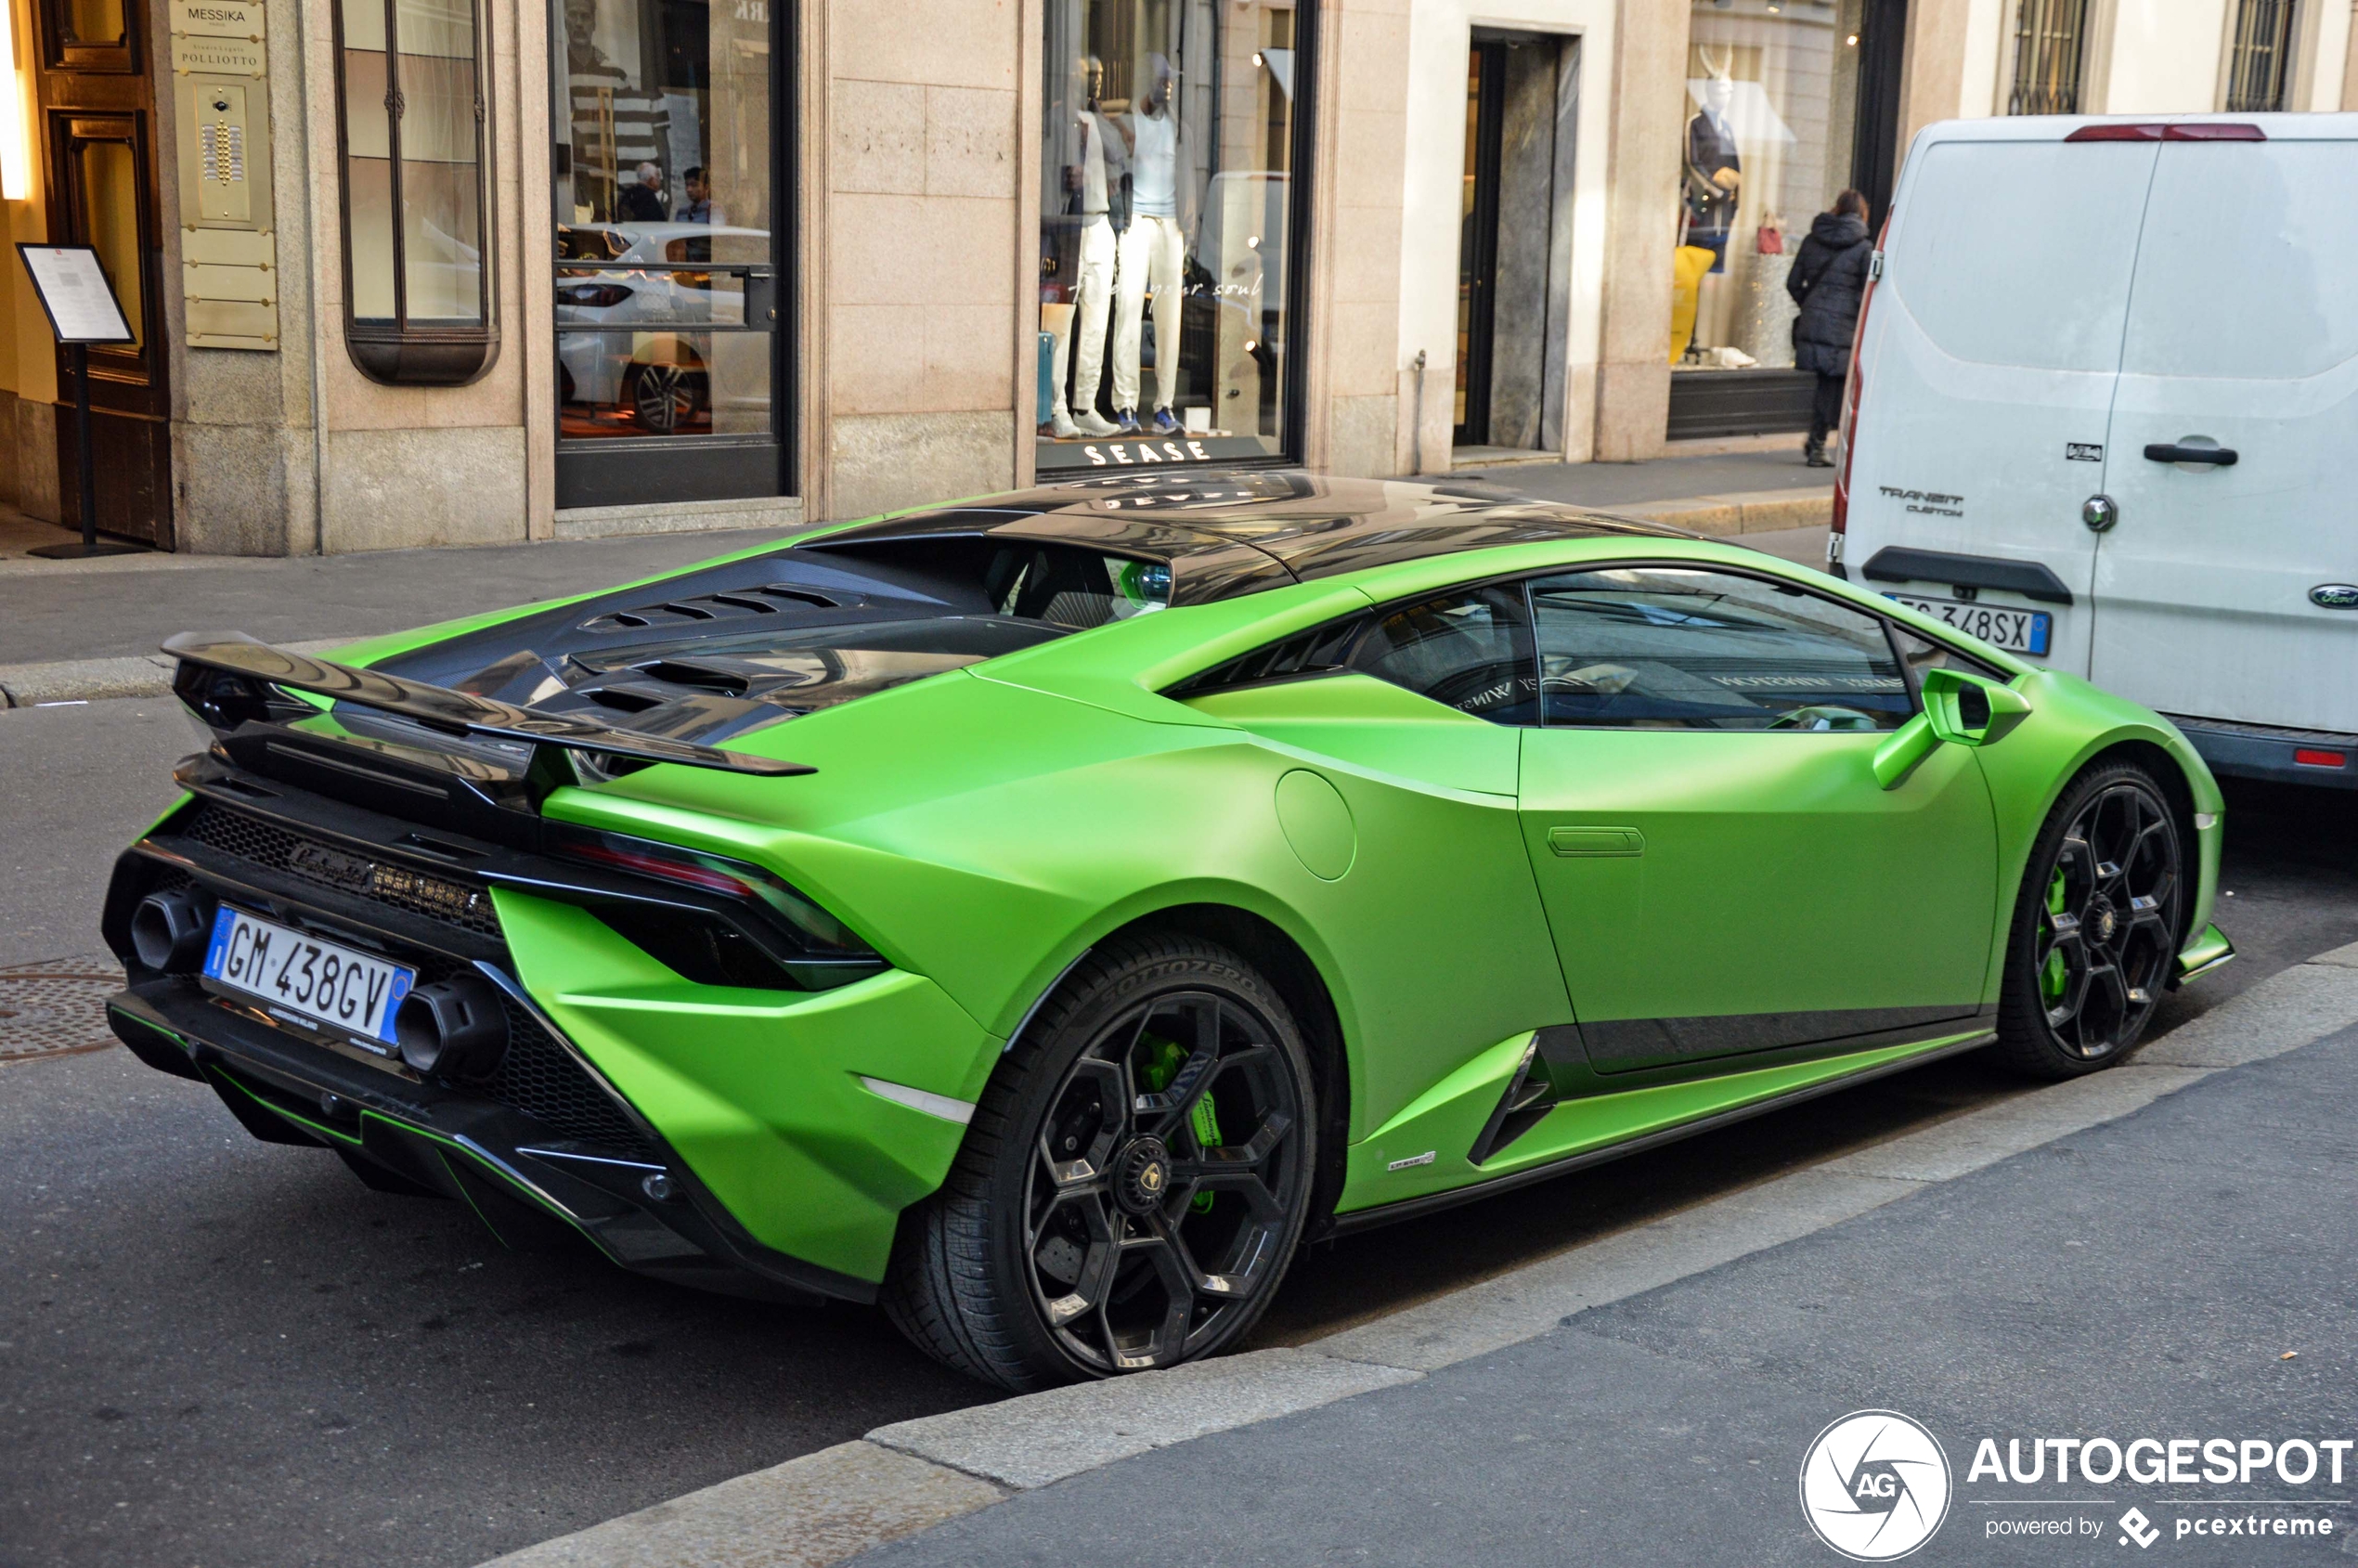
{"points": [[2017, 631], [301, 977]]}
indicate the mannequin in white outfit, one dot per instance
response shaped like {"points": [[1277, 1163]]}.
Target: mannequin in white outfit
{"points": [[1153, 255], [1099, 158]]}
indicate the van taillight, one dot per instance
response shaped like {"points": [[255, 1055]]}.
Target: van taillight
{"points": [[2171, 130], [1849, 427]]}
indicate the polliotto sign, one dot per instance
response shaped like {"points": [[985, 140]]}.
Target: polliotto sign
{"points": [[1147, 451]]}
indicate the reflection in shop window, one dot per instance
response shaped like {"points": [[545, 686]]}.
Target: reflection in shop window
{"points": [[94, 22], [1167, 152], [665, 287], [417, 296], [108, 172], [1768, 122]]}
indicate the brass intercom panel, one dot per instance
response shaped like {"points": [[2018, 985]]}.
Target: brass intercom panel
{"points": [[228, 248]]}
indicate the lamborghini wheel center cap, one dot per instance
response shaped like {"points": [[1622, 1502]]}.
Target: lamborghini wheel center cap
{"points": [[1142, 1176]]}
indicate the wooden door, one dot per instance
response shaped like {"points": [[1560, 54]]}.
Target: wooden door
{"points": [[98, 113]]}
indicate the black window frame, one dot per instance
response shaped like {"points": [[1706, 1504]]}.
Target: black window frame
{"points": [[658, 470], [1293, 405], [403, 354], [1339, 637]]}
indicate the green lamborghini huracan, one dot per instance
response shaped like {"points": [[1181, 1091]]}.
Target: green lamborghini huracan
{"points": [[1041, 913]]}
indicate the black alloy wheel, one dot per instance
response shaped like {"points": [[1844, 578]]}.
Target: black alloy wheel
{"points": [[2096, 927], [1132, 1185], [665, 398]]}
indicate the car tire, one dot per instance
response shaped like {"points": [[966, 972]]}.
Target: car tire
{"points": [[2096, 926], [1108, 1213], [664, 397]]}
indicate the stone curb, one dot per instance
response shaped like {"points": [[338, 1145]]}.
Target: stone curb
{"points": [[80, 681], [1748, 512], [900, 1479]]}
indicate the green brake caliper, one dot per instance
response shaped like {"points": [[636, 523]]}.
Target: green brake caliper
{"points": [[2053, 976], [1164, 1058]]}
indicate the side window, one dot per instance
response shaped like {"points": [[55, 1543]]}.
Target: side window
{"points": [[1922, 654], [1470, 649], [1666, 648]]}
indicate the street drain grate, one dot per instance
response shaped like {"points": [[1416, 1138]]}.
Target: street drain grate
{"points": [[58, 1008]]}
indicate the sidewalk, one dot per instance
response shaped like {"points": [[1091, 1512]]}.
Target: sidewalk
{"points": [[76, 631], [2158, 1251]]}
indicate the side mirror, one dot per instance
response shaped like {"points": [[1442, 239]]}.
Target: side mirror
{"points": [[1971, 709], [1967, 709]]}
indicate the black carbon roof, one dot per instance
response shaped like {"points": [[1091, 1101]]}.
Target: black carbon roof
{"points": [[1228, 534]]}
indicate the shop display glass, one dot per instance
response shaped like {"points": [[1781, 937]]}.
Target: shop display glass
{"points": [[1769, 118], [666, 296], [1168, 148], [416, 301]]}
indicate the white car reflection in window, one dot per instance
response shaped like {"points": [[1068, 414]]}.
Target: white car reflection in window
{"points": [[648, 368]]}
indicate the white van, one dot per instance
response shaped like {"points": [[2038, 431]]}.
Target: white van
{"points": [[2105, 413]]}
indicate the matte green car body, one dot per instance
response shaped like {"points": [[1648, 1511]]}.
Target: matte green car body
{"points": [[984, 828]]}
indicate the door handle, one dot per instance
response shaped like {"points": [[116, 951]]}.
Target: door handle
{"points": [[2170, 451], [1596, 841]]}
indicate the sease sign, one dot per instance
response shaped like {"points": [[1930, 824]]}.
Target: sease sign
{"points": [[1149, 450]]}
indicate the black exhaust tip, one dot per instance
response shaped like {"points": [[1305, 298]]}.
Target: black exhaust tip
{"points": [[453, 1028], [168, 931]]}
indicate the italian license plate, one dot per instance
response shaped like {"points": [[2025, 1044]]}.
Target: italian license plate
{"points": [[318, 982], [2017, 631]]}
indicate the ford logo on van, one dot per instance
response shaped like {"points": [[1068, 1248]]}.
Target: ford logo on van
{"points": [[2334, 596]]}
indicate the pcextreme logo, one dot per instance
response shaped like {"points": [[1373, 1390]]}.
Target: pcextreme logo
{"points": [[1875, 1485]]}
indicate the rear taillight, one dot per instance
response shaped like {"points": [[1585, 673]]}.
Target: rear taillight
{"points": [[813, 928], [2171, 130], [1848, 427], [681, 870]]}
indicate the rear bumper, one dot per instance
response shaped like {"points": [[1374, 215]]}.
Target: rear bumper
{"points": [[2263, 751], [645, 1211], [789, 1128]]}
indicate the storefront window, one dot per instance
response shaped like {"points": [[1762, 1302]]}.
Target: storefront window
{"points": [[666, 295], [1769, 113], [1167, 232], [416, 293]]}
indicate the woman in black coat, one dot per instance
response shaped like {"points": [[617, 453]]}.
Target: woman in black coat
{"points": [[1829, 280]]}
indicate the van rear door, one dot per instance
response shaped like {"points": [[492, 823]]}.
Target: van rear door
{"points": [[2243, 338], [1987, 373]]}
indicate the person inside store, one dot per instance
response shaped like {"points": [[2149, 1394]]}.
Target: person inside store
{"points": [[1828, 282], [643, 203], [699, 207]]}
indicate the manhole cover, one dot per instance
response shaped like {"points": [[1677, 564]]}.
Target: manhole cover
{"points": [[58, 1008]]}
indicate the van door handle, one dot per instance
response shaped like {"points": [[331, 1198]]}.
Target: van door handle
{"points": [[1612, 841], [2170, 451]]}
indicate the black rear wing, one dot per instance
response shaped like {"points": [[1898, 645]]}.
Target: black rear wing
{"points": [[449, 712]]}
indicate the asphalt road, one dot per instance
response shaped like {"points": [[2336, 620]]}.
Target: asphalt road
{"points": [[215, 1351], [2178, 1274]]}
